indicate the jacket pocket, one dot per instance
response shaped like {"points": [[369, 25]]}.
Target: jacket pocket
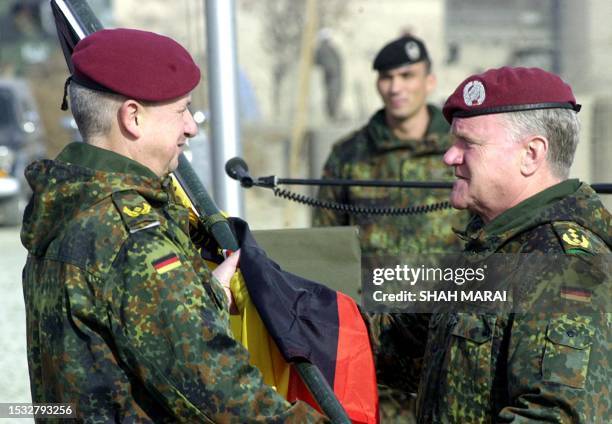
{"points": [[470, 352], [566, 356]]}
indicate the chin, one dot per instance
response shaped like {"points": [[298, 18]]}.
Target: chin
{"points": [[457, 201], [399, 114]]}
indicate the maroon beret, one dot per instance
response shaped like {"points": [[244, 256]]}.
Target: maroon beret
{"points": [[137, 64], [509, 90]]}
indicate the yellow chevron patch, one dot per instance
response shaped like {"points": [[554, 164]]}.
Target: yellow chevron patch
{"points": [[574, 238], [137, 211]]}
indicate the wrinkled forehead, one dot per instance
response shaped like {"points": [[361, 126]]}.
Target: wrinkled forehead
{"points": [[479, 127]]}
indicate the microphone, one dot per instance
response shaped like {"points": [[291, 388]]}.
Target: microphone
{"points": [[237, 169]]}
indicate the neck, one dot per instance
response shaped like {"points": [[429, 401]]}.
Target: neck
{"points": [[410, 128], [114, 144], [529, 188]]}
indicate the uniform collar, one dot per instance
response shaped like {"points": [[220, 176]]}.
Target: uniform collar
{"points": [[529, 213], [96, 158], [436, 139]]}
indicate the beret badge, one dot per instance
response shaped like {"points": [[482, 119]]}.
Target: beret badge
{"points": [[474, 93], [412, 50]]}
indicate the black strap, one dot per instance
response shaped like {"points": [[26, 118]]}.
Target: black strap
{"points": [[64, 105], [515, 108], [210, 220]]}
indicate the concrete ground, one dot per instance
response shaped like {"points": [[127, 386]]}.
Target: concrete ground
{"points": [[15, 385]]}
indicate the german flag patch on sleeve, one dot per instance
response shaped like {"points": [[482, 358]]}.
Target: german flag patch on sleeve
{"points": [[166, 263], [579, 295]]}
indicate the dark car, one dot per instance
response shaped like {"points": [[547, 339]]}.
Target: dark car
{"points": [[21, 142]]}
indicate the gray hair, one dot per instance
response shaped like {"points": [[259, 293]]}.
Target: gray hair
{"points": [[560, 127], [93, 111]]}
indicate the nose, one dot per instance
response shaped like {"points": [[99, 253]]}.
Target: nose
{"points": [[394, 85], [453, 156], [191, 127]]}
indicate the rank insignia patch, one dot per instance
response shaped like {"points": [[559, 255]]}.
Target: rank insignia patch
{"points": [[137, 211], [574, 238], [578, 295], [166, 263]]}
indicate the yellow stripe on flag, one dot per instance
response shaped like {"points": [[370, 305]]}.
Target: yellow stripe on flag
{"points": [[576, 297], [168, 267]]}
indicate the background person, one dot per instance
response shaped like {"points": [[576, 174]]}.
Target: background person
{"points": [[405, 140], [124, 318]]}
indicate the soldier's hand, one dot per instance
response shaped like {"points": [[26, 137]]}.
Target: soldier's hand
{"points": [[224, 272]]}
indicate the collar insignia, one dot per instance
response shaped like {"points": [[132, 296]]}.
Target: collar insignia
{"points": [[573, 238], [137, 211]]}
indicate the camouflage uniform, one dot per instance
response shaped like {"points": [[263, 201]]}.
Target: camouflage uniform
{"points": [[124, 319], [373, 152], [551, 365]]}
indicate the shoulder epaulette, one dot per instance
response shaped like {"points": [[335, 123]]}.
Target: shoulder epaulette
{"points": [[576, 239], [136, 213]]}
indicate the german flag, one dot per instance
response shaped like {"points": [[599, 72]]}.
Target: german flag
{"points": [[579, 295], [166, 263], [309, 321]]}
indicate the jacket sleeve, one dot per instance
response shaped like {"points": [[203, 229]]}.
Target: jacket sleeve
{"points": [[325, 217], [168, 319]]}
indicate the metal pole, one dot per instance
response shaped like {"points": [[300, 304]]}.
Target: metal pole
{"points": [[556, 34], [223, 100]]}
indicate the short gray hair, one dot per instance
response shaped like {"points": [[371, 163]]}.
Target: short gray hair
{"points": [[93, 111], [560, 126]]}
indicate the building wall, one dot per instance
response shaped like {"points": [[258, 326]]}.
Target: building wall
{"points": [[585, 41]]}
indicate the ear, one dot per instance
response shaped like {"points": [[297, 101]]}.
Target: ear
{"points": [[131, 118], [534, 153]]}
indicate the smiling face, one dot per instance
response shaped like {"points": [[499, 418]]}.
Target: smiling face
{"points": [[167, 127], [404, 90], [487, 166]]}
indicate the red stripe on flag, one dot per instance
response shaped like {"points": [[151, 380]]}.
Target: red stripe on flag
{"points": [[355, 377], [577, 292], [166, 262]]}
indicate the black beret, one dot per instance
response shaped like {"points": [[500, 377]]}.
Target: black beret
{"points": [[405, 50]]}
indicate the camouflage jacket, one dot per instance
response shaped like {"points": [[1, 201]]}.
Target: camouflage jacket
{"points": [[124, 319], [549, 361], [374, 153]]}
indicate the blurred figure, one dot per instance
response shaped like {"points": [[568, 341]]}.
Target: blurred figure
{"points": [[405, 140], [22, 140], [249, 105], [328, 58], [23, 41]]}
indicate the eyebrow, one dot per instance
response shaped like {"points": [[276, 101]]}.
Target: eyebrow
{"points": [[464, 136], [393, 72]]}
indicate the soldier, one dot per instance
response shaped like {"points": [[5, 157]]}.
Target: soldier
{"points": [[125, 320], [405, 140], [515, 132]]}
